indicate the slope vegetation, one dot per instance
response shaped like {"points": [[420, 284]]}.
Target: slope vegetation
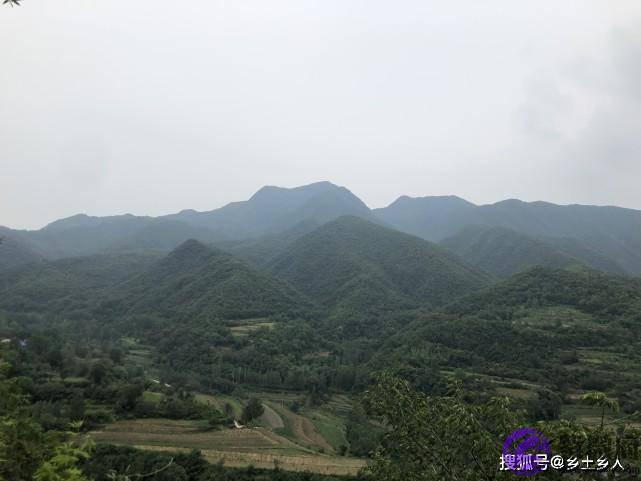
{"points": [[194, 281], [353, 264]]}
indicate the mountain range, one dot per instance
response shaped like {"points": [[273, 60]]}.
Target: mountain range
{"points": [[500, 239]]}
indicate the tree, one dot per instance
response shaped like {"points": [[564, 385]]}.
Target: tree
{"points": [[63, 465], [252, 410], [436, 438], [599, 399]]}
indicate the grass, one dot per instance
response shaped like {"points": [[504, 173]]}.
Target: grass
{"points": [[219, 401], [329, 426], [152, 397]]}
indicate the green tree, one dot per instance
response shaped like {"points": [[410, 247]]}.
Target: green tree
{"points": [[63, 465], [599, 399], [436, 438], [252, 410]]}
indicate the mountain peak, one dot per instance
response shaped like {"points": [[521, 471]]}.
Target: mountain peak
{"points": [[269, 191]]}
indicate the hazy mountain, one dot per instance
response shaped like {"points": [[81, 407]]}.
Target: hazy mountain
{"points": [[606, 238], [355, 264], [432, 218], [14, 250], [585, 254], [261, 250], [274, 209], [611, 232], [195, 281], [83, 235], [503, 252]]}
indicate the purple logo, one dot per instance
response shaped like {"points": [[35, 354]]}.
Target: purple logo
{"points": [[525, 452]]}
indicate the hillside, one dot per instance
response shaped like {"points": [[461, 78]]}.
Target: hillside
{"points": [[83, 235], [274, 209], [196, 282], [73, 285], [612, 233], [503, 252], [355, 265], [14, 250], [548, 328]]}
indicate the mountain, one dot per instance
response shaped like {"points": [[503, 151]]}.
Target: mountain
{"points": [[601, 295], [275, 209], [83, 235], [613, 233], [197, 282], [355, 265], [261, 250], [68, 285], [15, 251], [503, 252], [562, 329], [589, 256], [432, 218], [606, 238]]}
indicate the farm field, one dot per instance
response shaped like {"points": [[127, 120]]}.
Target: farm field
{"points": [[259, 446]]}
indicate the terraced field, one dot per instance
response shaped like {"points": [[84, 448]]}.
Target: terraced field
{"points": [[235, 447]]}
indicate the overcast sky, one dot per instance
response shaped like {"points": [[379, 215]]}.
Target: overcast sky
{"points": [[153, 106]]}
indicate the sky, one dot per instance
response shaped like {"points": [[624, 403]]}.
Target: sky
{"points": [[150, 106]]}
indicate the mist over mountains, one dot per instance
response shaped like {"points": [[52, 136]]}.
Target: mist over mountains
{"points": [[501, 238]]}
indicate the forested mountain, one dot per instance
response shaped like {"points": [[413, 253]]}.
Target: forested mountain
{"points": [[73, 285], [274, 209], [197, 282], [356, 266], [261, 250], [15, 250], [503, 252], [611, 232], [563, 330], [605, 238], [82, 235]]}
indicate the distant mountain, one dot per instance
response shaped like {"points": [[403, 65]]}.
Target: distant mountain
{"points": [[605, 238], [503, 252], [275, 209], [69, 285], [83, 235], [15, 251], [260, 251], [432, 218], [197, 282], [357, 267], [613, 233], [589, 256]]}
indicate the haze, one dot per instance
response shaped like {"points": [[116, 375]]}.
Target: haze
{"points": [[151, 107]]}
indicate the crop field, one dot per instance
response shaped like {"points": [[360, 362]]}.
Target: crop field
{"points": [[259, 447]]}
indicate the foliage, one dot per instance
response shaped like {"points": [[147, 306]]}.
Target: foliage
{"points": [[436, 438], [63, 465], [254, 409]]}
